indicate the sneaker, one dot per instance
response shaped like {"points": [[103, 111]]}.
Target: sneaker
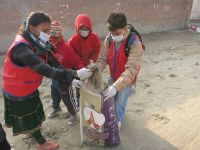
{"points": [[72, 120], [54, 113]]}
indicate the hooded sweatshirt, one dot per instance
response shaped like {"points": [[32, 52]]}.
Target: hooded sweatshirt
{"points": [[87, 48]]}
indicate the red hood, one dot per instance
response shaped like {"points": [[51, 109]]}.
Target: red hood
{"points": [[83, 20]]}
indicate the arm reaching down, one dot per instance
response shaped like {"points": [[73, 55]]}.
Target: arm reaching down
{"points": [[22, 55]]}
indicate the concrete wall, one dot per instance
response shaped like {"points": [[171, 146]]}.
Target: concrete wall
{"points": [[146, 15]]}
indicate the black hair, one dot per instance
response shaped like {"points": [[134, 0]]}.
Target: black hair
{"points": [[116, 20], [34, 19]]}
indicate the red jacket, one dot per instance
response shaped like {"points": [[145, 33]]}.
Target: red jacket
{"points": [[87, 48], [19, 81], [67, 56]]}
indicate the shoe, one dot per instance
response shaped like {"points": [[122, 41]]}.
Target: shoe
{"points": [[48, 145], [54, 113], [72, 120]]}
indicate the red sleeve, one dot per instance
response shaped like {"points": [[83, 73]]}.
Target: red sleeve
{"points": [[72, 43], [96, 50], [75, 60]]}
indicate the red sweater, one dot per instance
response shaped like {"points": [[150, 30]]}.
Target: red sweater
{"points": [[67, 56], [87, 48]]}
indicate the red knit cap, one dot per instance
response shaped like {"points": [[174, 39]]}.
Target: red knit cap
{"points": [[56, 29]]}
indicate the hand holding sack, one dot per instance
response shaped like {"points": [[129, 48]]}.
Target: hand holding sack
{"points": [[84, 73], [110, 92], [98, 120]]}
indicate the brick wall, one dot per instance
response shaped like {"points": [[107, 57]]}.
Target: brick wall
{"points": [[146, 15], [195, 13]]}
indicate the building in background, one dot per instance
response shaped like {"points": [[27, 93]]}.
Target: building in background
{"points": [[195, 14], [146, 15]]}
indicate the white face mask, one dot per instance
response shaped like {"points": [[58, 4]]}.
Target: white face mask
{"points": [[84, 33], [118, 38], [44, 37]]}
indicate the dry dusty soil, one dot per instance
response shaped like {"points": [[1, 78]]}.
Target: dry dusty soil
{"points": [[163, 114]]}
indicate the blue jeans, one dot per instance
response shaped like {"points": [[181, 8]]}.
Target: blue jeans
{"points": [[121, 100], [60, 90]]}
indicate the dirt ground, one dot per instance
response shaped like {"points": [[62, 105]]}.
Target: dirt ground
{"points": [[163, 114]]}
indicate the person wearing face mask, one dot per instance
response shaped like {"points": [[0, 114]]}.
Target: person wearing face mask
{"points": [[28, 59], [124, 67], [70, 60], [85, 42]]}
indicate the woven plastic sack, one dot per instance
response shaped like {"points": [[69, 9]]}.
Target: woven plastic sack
{"points": [[98, 121]]}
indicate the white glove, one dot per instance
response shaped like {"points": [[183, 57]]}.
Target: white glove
{"points": [[84, 73], [77, 83], [110, 92]]}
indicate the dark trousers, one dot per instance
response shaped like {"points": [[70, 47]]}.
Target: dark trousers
{"points": [[60, 90], [4, 145], [78, 96]]}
